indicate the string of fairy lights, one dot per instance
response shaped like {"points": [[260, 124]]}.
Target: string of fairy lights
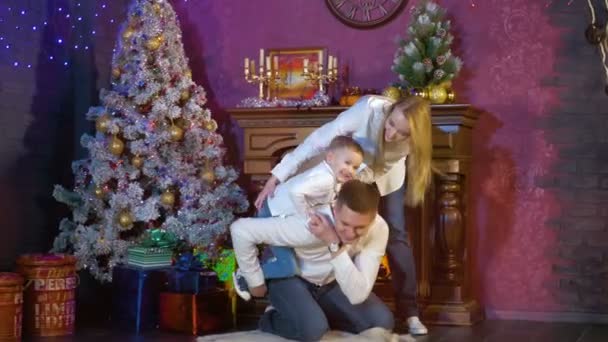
{"points": [[69, 29]]}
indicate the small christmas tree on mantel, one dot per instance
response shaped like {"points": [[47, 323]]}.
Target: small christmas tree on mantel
{"points": [[424, 61], [156, 161]]}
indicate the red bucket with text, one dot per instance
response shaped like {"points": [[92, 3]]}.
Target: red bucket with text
{"points": [[50, 293], [11, 306]]}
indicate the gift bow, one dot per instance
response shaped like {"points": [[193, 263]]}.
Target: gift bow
{"points": [[158, 238]]}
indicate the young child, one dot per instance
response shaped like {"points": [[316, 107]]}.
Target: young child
{"points": [[300, 195]]}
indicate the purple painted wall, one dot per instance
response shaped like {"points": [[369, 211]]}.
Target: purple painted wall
{"points": [[219, 35]]}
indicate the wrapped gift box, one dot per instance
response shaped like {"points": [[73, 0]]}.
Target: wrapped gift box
{"points": [[149, 257], [203, 313], [189, 281], [135, 297]]}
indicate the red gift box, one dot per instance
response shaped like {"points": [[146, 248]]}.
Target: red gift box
{"points": [[196, 314]]}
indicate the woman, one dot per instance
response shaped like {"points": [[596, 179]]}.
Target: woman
{"points": [[390, 133]]}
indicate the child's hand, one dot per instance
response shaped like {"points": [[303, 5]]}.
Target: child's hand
{"points": [[320, 226], [258, 291]]}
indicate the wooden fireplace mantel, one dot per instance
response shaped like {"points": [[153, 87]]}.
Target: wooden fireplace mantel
{"points": [[439, 229]]}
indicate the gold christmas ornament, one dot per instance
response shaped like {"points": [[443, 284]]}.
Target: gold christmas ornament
{"points": [[99, 192], [188, 73], [167, 198], [177, 134], [392, 93], [116, 72], [184, 95], [102, 123], [137, 162], [125, 219], [437, 94], [128, 33], [156, 8], [207, 175], [155, 43], [211, 125], [116, 146]]}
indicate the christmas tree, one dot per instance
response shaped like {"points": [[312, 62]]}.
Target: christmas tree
{"points": [[156, 161], [425, 58]]}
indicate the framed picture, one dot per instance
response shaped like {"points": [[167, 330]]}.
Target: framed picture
{"points": [[291, 67]]}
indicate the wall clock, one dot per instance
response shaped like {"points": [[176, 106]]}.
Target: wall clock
{"points": [[365, 13]]}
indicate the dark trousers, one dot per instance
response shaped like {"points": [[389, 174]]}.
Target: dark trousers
{"points": [[304, 311], [400, 254]]}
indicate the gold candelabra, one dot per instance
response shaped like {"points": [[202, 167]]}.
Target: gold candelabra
{"points": [[314, 73], [265, 77]]}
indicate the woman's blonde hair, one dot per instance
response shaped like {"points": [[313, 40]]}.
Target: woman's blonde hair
{"points": [[418, 114]]}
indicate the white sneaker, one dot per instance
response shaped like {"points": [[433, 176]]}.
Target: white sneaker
{"points": [[416, 327], [240, 285]]}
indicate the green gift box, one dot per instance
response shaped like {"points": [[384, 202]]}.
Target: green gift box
{"points": [[149, 257]]}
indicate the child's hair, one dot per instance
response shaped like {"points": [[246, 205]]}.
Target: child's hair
{"points": [[359, 197], [344, 141]]}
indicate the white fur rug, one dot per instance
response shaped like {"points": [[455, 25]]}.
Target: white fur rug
{"points": [[374, 334]]}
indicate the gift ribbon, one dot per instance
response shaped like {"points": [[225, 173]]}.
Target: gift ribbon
{"points": [[158, 238]]}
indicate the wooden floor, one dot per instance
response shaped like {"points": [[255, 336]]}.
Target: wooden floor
{"points": [[487, 331]]}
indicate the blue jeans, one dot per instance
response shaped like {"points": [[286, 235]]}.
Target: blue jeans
{"points": [[277, 262], [400, 255], [304, 311]]}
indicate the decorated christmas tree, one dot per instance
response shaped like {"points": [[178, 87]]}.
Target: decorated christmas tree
{"points": [[156, 160], [425, 57]]}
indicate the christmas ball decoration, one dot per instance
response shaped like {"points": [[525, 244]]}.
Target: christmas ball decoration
{"points": [[100, 192], [211, 125], [167, 198], [188, 73], [154, 43], [437, 94], [116, 146], [156, 8], [392, 92], [176, 133], [207, 175], [102, 123], [595, 34], [184, 95], [125, 219], [128, 33], [116, 72], [137, 162]]}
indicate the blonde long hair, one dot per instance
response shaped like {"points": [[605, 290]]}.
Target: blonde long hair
{"points": [[418, 114]]}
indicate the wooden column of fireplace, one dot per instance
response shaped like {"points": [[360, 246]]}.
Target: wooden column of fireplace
{"points": [[439, 230]]}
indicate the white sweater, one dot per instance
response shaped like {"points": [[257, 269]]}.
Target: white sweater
{"points": [[355, 270]]}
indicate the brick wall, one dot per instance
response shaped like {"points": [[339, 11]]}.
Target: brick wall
{"points": [[42, 108], [578, 128]]}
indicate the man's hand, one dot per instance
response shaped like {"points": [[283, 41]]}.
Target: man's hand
{"points": [[258, 291], [268, 190], [320, 226]]}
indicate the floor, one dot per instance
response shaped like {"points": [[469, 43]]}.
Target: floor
{"points": [[487, 331]]}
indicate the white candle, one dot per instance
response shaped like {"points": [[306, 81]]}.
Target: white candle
{"points": [[267, 63], [246, 63], [253, 66], [275, 63], [261, 58], [321, 58], [336, 63], [305, 63], [330, 63]]}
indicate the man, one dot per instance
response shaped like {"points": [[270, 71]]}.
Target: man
{"points": [[338, 250]]}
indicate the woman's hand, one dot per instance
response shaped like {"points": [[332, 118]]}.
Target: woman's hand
{"points": [[267, 191], [320, 226]]}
